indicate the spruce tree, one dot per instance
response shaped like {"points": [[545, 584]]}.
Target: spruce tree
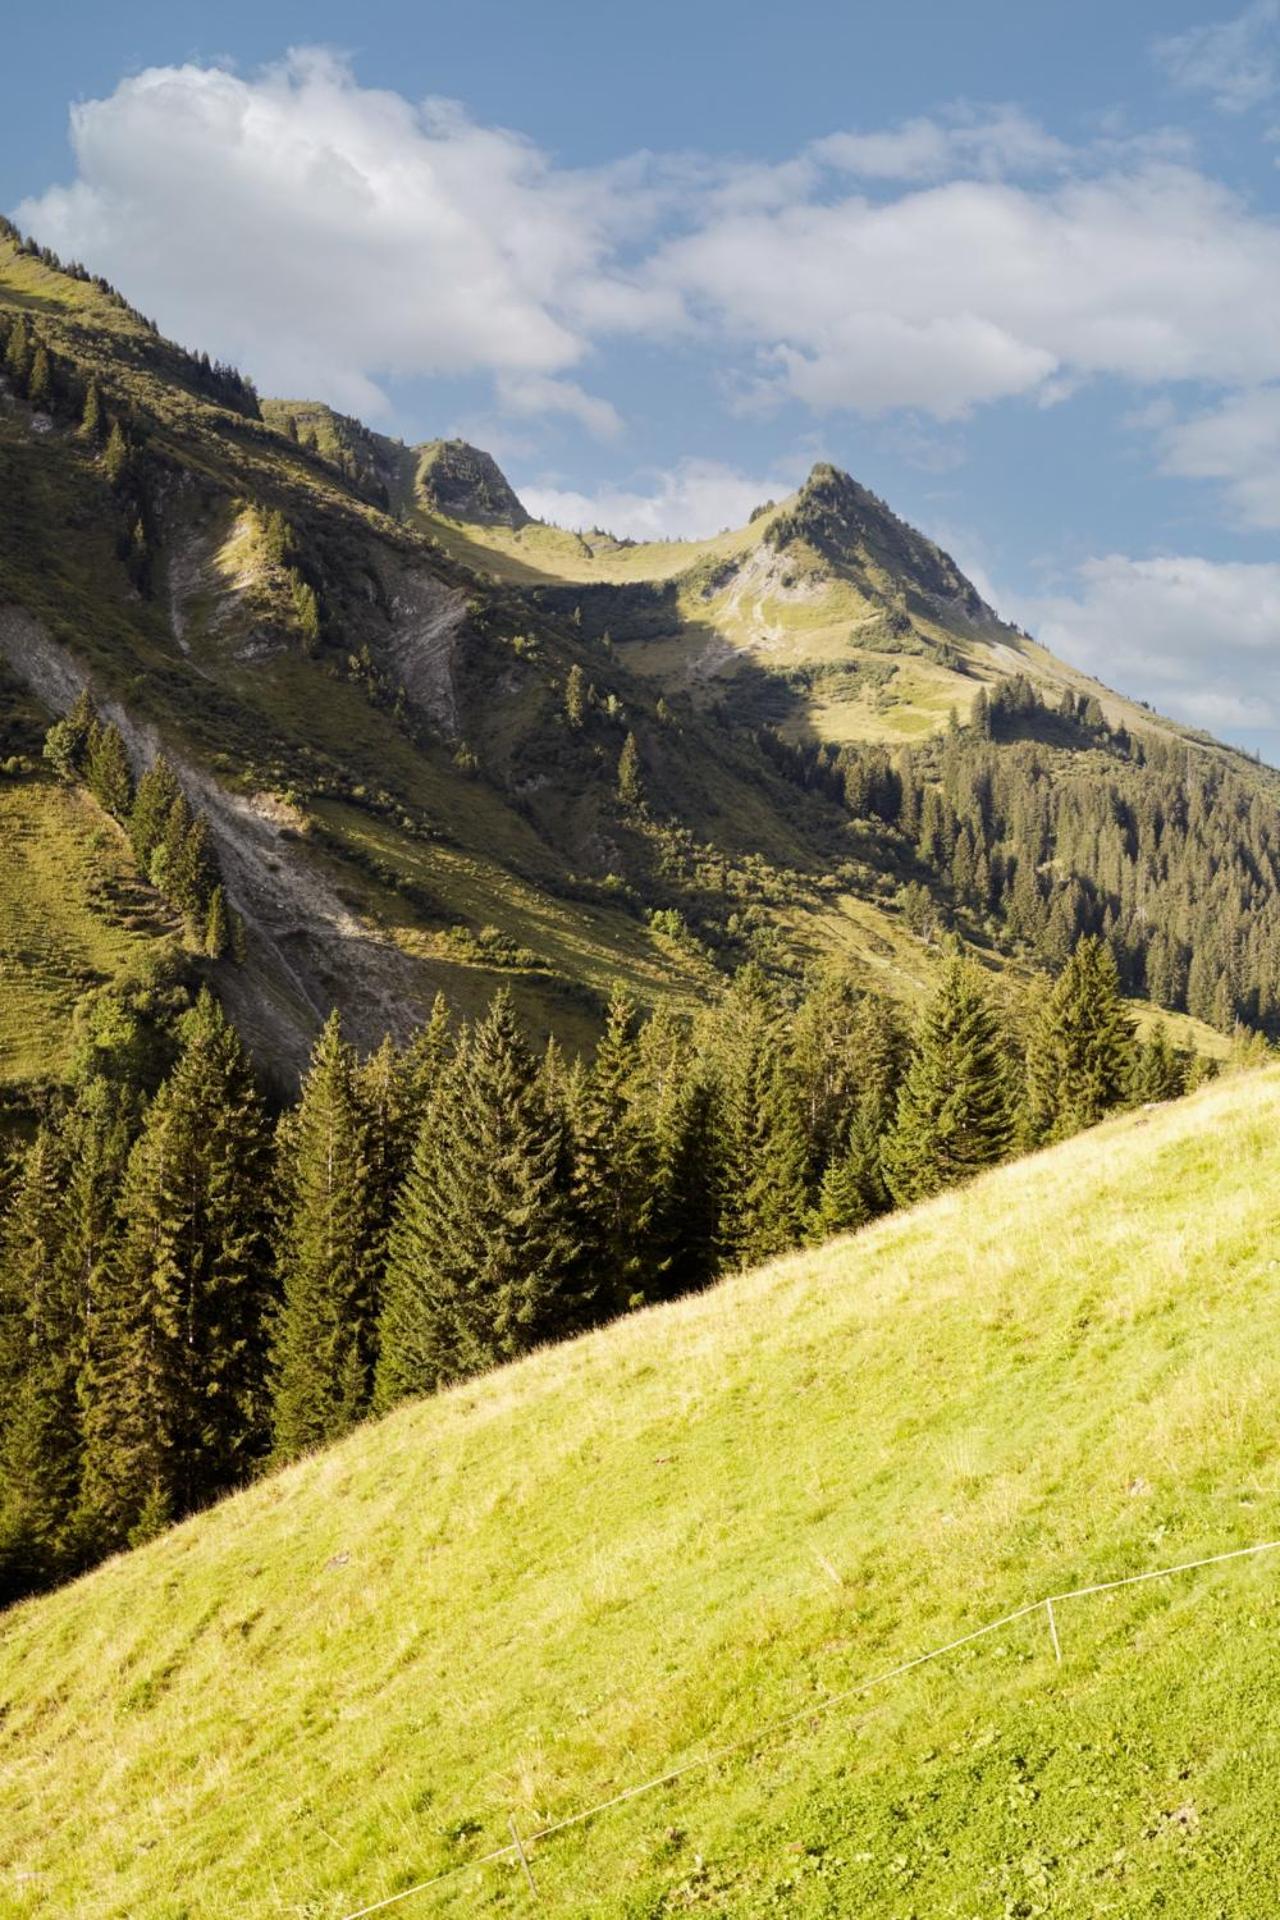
{"points": [[672, 1102], [630, 782], [175, 1396], [157, 791], [482, 1252], [323, 1348], [612, 1161], [40, 380], [115, 457], [1159, 1071], [954, 1116], [217, 926], [39, 1346], [91, 418], [108, 772], [762, 1148], [1080, 1057], [68, 741]]}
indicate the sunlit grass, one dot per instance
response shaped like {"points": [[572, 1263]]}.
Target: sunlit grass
{"points": [[546, 1585]]}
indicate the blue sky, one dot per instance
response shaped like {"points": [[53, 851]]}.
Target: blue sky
{"points": [[1016, 267]]}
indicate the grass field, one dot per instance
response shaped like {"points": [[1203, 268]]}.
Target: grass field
{"points": [[527, 1595], [73, 915]]}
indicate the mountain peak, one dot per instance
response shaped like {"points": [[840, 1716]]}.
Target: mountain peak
{"points": [[845, 522], [464, 483]]}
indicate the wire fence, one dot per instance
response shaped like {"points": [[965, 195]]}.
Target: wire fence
{"points": [[518, 1848]]}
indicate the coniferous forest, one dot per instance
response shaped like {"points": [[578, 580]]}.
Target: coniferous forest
{"points": [[194, 1287]]}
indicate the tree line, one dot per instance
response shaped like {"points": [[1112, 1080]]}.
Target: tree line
{"points": [[1038, 824], [192, 1288]]}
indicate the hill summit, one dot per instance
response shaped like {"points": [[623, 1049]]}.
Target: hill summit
{"points": [[463, 483]]}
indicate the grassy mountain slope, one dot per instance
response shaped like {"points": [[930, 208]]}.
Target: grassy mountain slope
{"points": [[390, 809], [400, 800], [826, 614], [534, 1591]]}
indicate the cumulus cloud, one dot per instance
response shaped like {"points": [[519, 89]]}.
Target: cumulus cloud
{"points": [[949, 296], [1199, 639], [329, 237], [1237, 443], [990, 142], [1236, 62], [326, 234], [693, 500], [525, 394]]}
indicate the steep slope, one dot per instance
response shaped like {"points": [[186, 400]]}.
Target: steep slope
{"points": [[402, 706], [827, 615], [532, 1593], [395, 800]]}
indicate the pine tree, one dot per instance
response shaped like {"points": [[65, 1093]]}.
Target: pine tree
{"points": [[482, 1249], [673, 1105], [39, 380], [953, 1114], [39, 1341], [91, 418], [17, 359], [175, 1399], [158, 789], [630, 783], [67, 743], [323, 1349], [762, 1150], [192, 874], [306, 610], [115, 458], [1159, 1073], [1080, 1058], [612, 1164], [217, 926], [109, 773], [166, 857], [575, 696]]}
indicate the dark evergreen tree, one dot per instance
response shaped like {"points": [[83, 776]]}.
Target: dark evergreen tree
{"points": [[1080, 1060], [611, 1165], [175, 1398], [630, 780], [108, 771], [324, 1343], [762, 1149], [954, 1114], [153, 803], [39, 1341], [1159, 1071], [482, 1251]]}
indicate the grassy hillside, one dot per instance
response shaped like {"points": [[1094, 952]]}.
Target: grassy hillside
{"points": [[529, 1594]]}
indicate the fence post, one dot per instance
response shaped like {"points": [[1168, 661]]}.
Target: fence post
{"points": [[524, 1858], [1053, 1632]]}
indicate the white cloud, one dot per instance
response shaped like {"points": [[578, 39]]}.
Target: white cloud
{"points": [[324, 234], [1238, 443], [1199, 639], [327, 236], [1236, 62], [990, 142], [526, 394], [950, 296], [694, 500]]}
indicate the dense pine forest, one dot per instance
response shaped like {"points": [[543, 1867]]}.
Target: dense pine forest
{"points": [[1038, 823], [193, 1288]]}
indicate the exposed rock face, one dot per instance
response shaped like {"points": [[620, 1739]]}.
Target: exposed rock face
{"points": [[461, 482], [849, 525], [307, 950]]}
